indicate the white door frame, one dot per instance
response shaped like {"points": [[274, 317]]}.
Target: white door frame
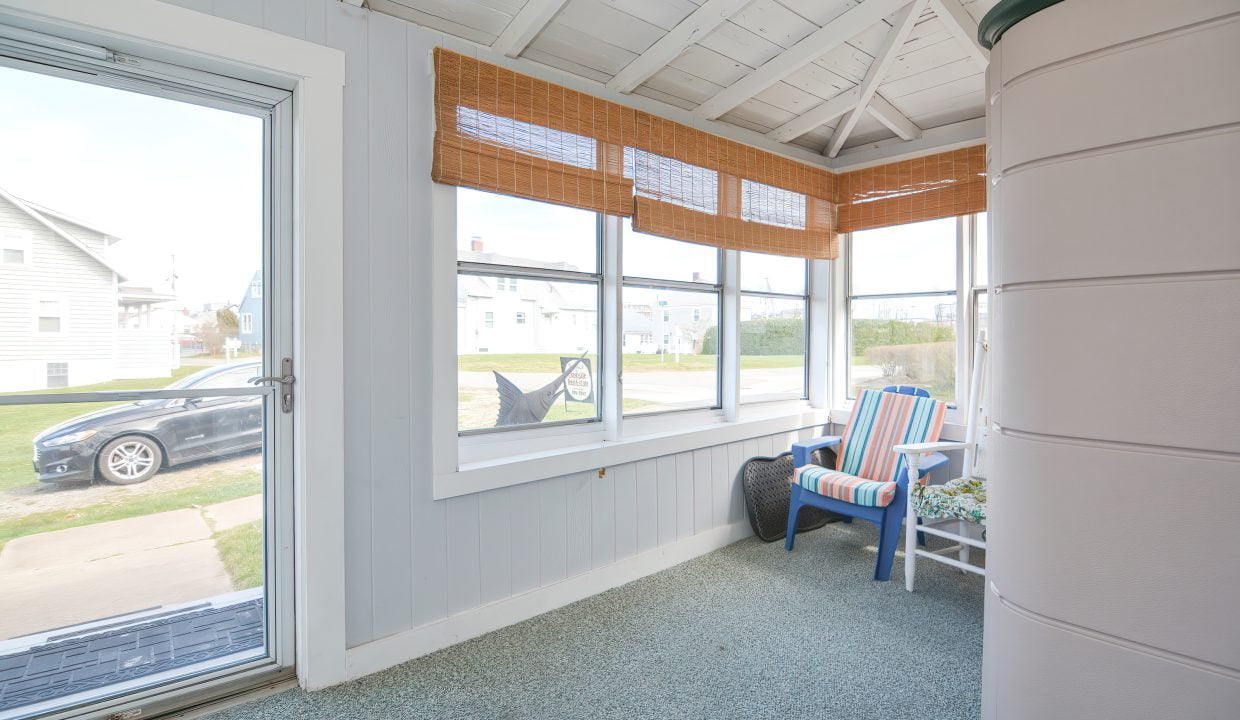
{"points": [[315, 75]]}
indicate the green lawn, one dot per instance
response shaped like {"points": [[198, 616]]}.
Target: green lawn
{"points": [[20, 423], [215, 487], [241, 551], [546, 363]]}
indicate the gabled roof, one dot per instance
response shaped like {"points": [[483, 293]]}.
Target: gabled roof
{"points": [[44, 221], [109, 237]]}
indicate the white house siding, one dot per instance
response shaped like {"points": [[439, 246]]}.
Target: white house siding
{"points": [[57, 268], [411, 560]]}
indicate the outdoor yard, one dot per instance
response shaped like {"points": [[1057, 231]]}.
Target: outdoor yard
{"points": [[56, 523]]}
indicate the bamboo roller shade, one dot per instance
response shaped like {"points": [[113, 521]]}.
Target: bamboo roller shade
{"points": [[505, 132]]}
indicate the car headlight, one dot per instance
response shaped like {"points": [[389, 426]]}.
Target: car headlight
{"points": [[70, 438]]}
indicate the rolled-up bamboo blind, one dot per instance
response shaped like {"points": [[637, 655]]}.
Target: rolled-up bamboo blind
{"points": [[506, 132], [926, 188]]}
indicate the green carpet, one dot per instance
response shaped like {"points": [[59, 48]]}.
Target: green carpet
{"points": [[749, 631]]}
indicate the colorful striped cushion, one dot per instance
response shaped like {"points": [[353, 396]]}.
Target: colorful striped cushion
{"points": [[880, 421], [842, 486]]}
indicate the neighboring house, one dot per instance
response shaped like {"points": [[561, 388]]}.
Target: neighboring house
{"points": [[250, 314], [65, 317], [524, 315], [663, 329]]}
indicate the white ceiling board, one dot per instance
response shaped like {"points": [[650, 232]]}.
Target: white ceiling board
{"points": [[759, 112], [963, 27], [819, 81], [867, 130], [465, 13], [950, 115], [926, 79], [432, 21], [710, 65], [598, 20], [934, 56], [846, 61], [647, 91], [572, 45], [734, 119], [698, 24], [682, 85], [786, 97], [774, 22], [734, 41], [666, 14], [559, 63]]}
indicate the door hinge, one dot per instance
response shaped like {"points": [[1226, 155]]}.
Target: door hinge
{"points": [[286, 380]]}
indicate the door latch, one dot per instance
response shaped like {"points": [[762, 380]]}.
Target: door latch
{"points": [[286, 380]]}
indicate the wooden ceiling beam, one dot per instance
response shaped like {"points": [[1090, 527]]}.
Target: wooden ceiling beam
{"points": [[525, 26], [896, 121], [700, 23], [886, 55], [813, 46], [961, 24]]}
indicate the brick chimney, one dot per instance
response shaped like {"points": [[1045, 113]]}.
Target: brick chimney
{"points": [[475, 243]]}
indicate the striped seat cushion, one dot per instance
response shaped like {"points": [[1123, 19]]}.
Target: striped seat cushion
{"points": [[867, 468], [842, 486]]}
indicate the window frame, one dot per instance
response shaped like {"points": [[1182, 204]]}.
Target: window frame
{"points": [[805, 299], [965, 292], [510, 274], [717, 288], [62, 303]]}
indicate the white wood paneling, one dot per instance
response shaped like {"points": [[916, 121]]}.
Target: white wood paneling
{"points": [[413, 562]]}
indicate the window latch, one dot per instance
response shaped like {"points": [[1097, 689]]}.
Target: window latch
{"points": [[285, 379]]}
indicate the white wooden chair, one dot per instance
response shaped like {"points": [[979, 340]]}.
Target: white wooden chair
{"points": [[958, 503]]}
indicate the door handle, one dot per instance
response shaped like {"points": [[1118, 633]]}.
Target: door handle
{"points": [[286, 380]]}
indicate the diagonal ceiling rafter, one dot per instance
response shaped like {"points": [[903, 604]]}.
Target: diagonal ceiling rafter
{"points": [[892, 44], [525, 25], [961, 24], [811, 47]]}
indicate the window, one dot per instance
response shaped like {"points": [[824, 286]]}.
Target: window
{"points": [[509, 377], [247, 323], [256, 289], [57, 375], [773, 327], [901, 307], [15, 246], [51, 315], [981, 273], [672, 292]]}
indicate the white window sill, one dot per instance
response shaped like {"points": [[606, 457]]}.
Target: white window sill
{"points": [[517, 469]]}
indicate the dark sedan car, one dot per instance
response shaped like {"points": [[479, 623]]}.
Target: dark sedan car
{"points": [[129, 443]]}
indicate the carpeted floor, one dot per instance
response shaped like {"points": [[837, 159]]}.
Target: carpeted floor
{"points": [[749, 631]]}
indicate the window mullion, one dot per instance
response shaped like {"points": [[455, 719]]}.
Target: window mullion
{"points": [[610, 352], [729, 337]]}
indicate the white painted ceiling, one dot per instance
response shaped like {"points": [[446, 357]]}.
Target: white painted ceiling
{"points": [[788, 56]]}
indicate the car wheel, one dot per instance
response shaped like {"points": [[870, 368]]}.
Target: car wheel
{"points": [[130, 460]]}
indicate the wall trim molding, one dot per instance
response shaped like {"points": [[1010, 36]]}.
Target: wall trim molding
{"points": [[411, 644]]}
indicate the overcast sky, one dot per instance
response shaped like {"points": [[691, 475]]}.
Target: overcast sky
{"points": [[167, 177]]}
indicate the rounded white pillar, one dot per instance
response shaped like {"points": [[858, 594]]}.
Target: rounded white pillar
{"points": [[1114, 509]]}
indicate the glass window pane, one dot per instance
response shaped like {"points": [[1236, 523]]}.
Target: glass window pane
{"points": [[904, 341], [772, 347], [981, 311], [518, 352], [671, 359], [650, 256], [981, 259], [918, 257], [772, 273], [503, 230]]}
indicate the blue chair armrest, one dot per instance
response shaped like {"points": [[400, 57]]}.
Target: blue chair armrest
{"points": [[801, 451]]}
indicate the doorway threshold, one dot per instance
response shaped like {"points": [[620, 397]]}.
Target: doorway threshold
{"points": [[101, 657]]}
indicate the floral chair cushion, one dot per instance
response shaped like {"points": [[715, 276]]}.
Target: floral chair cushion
{"points": [[963, 498]]}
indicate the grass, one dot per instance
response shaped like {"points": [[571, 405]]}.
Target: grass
{"points": [[20, 423], [216, 487], [550, 363], [241, 551]]}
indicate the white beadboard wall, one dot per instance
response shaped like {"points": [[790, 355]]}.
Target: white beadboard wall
{"points": [[412, 561]]}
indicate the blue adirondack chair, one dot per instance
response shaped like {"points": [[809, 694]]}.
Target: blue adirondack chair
{"points": [[870, 481]]}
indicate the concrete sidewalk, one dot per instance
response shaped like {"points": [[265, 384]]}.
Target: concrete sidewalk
{"points": [[62, 578]]}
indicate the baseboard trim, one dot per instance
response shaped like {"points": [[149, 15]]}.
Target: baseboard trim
{"points": [[395, 649]]}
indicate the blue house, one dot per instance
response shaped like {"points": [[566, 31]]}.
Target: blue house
{"points": [[250, 314]]}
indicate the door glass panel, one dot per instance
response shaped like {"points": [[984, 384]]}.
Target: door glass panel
{"points": [[134, 533]]}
